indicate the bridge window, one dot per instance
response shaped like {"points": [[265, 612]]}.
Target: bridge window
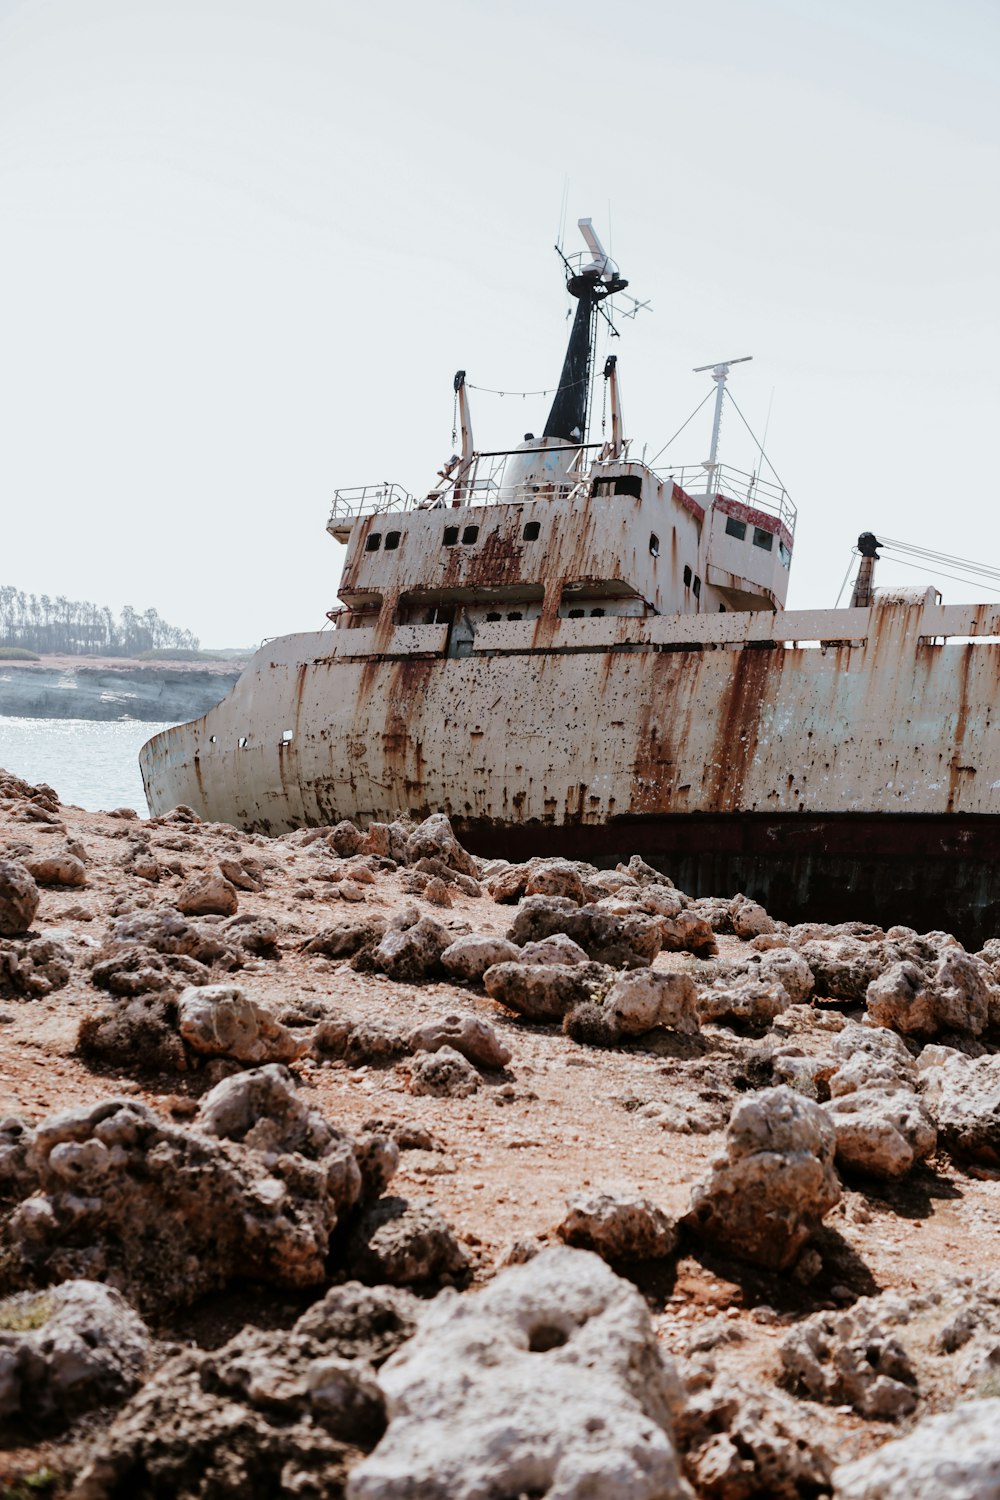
{"points": [[392, 540], [450, 536], [785, 554], [735, 528], [762, 539], [654, 544], [470, 535], [530, 532], [687, 576], [373, 541]]}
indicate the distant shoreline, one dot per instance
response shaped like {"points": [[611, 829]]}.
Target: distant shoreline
{"points": [[113, 688]]}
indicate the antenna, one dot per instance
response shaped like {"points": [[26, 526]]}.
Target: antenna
{"points": [[719, 373], [602, 262]]}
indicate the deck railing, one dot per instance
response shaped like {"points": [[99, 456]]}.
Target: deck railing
{"points": [[749, 489]]}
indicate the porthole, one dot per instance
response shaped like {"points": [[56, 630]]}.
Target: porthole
{"points": [[530, 532], [470, 535], [374, 541], [451, 536], [392, 540], [654, 544], [212, 739]]}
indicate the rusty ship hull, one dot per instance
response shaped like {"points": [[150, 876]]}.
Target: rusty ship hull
{"points": [[820, 760]]}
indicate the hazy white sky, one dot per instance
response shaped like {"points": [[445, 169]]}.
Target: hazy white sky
{"points": [[245, 245]]}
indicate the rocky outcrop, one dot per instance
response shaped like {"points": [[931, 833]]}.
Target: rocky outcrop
{"points": [[617, 1228], [19, 898]]}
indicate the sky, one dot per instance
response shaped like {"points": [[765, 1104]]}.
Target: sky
{"points": [[245, 244]]}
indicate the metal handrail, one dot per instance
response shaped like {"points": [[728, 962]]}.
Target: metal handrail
{"points": [[735, 484]]}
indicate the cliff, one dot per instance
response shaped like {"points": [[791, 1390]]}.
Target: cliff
{"points": [[72, 687]]}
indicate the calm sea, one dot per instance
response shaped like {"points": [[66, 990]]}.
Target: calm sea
{"points": [[92, 765]]}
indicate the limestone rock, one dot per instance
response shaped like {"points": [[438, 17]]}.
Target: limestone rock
{"points": [[645, 998], [687, 933], [345, 839], [253, 1188], [952, 1456], [955, 996], [785, 967], [617, 1228], [548, 1381], [347, 937], [748, 1002], [56, 869], [443, 1072], [414, 953], [435, 839], [745, 1442], [18, 898], [557, 949], [66, 1350], [767, 1196], [473, 1038], [555, 877], [138, 1032], [208, 893], [436, 892], [962, 1095], [545, 992], [469, 957], [268, 1416], [750, 920], [851, 1358], [220, 1020], [630, 942], [842, 967], [31, 968], [882, 1134], [405, 1244], [167, 931], [359, 1042]]}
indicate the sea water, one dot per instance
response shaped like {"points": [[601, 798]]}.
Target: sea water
{"points": [[90, 764]]}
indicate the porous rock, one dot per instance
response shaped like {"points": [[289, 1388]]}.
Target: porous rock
{"points": [[954, 1455], [557, 949], [742, 1441], [748, 1002], [434, 838], [221, 1020], [414, 953], [548, 1381], [348, 937], [66, 1350], [374, 1042], [254, 1187], [687, 932], [630, 942], [750, 920], [207, 894], [345, 839], [646, 998], [443, 1072], [269, 1414], [766, 1198], [785, 967], [962, 1095], [56, 869], [469, 957], [842, 967], [138, 1032], [617, 1228], [852, 1358], [19, 898], [475, 1039], [882, 1127], [404, 1243], [545, 992], [31, 968], [955, 996], [555, 877], [164, 930]]}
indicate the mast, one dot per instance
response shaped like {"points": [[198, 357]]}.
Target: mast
{"points": [[590, 284], [719, 373]]}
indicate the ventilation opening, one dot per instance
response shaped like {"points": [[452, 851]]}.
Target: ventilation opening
{"points": [[687, 576], [594, 613], [392, 540], [470, 535], [493, 616], [373, 542], [722, 609], [762, 539], [515, 614], [451, 536], [735, 528], [654, 544], [530, 532], [576, 614]]}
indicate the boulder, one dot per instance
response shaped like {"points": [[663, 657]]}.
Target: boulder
{"points": [[548, 1381], [434, 839], [748, 1002], [785, 967], [142, 971], [545, 992], [436, 892], [414, 953], [617, 1228], [842, 967], [688, 932], [955, 996], [750, 920], [18, 898], [555, 877], [646, 998], [348, 937], [954, 1455], [254, 1188], [167, 931], [66, 1350], [468, 958], [629, 942], [962, 1096], [221, 1020], [557, 949], [767, 1196], [207, 894], [270, 1413], [359, 1042], [405, 1244], [345, 840], [32, 968], [56, 869], [473, 1038], [743, 1440], [443, 1072]]}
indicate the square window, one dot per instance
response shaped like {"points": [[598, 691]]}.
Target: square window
{"points": [[470, 535], [762, 539], [450, 536], [530, 532], [735, 528], [575, 614], [374, 541], [392, 540], [595, 612]]}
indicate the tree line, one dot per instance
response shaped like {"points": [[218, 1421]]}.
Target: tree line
{"points": [[73, 627]]}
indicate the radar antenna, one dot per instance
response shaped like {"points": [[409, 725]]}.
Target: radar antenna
{"points": [[719, 373]]}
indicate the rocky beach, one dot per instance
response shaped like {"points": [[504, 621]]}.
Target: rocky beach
{"points": [[346, 1163]]}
